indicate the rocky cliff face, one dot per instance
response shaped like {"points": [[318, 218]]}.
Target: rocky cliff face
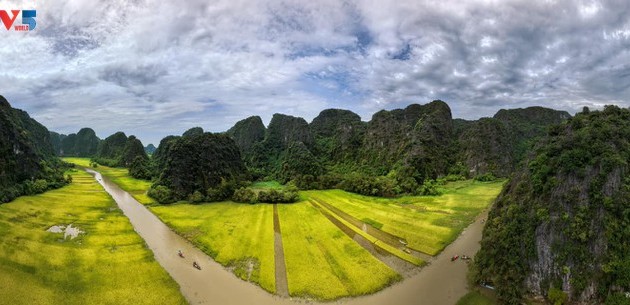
{"points": [[414, 135], [82, 144], [338, 134], [560, 224], [496, 145], [485, 147], [247, 133], [55, 141], [284, 129]]}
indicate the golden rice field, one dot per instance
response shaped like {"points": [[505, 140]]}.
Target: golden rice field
{"points": [[241, 236], [108, 264]]}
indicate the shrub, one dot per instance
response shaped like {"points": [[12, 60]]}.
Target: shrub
{"points": [[288, 195], [221, 192], [35, 187], [161, 193], [196, 197], [429, 188], [557, 296], [245, 195], [485, 177]]}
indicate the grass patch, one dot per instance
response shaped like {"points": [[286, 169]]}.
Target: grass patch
{"points": [[109, 264], [428, 223], [476, 298], [239, 236], [136, 187], [343, 268], [373, 223]]}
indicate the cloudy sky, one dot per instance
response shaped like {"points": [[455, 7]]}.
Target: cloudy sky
{"points": [[153, 68]]}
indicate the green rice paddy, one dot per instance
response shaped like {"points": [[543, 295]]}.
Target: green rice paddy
{"points": [[108, 264]]}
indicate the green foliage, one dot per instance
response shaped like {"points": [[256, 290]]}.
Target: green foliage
{"points": [[140, 168], [208, 163], [485, 177], [618, 299], [160, 156], [300, 165], [27, 160], [429, 188], [221, 192], [111, 147], [196, 197], [246, 133], [245, 195], [193, 132], [475, 298], [161, 193], [118, 150], [288, 195], [557, 296], [35, 187], [381, 186], [575, 187], [82, 144]]}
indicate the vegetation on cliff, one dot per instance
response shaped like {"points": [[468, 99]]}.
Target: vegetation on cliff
{"points": [[560, 226], [27, 161], [202, 167]]}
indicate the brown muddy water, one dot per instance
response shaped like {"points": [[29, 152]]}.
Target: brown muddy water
{"points": [[442, 282]]}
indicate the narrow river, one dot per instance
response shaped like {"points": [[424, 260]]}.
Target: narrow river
{"points": [[441, 283]]}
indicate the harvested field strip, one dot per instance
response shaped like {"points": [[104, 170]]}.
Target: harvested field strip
{"points": [[282, 287], [401, 266], [377, 242], [322, 262], [392, 240]]}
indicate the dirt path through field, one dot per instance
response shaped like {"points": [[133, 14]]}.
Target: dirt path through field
{"points": [[441, 283], [282, 287]]}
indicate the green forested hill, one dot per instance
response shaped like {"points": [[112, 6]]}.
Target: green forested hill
{"points": [[496, 145], [27, 161], [247, 133], [395, 152], [561, 226], [120, 150], [82, 144], [198, 167]]}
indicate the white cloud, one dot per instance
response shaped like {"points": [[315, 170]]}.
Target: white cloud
{"points": [[154, 68]]}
